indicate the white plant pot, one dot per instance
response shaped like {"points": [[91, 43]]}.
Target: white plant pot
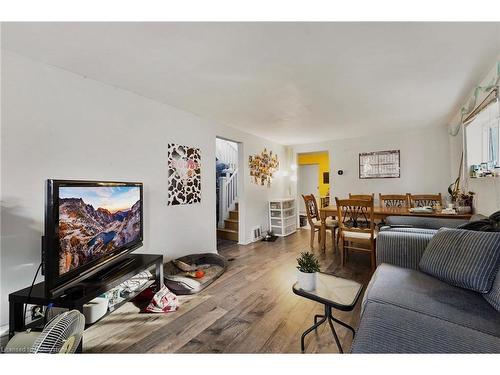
{"points": [[306, 281]]}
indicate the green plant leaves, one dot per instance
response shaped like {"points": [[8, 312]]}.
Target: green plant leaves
{"points": [[308, 263]]}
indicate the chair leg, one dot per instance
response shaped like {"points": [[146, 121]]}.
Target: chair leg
{"points": [[338, 238], [333, 239], [342, 254], [313, 232]]}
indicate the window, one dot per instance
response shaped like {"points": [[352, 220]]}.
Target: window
{"points": [[483, 138]]}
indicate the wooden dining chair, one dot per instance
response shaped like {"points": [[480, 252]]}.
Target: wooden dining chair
{"points": [[394, 201], [362, 196], [369, 197], [353, 236], [314, 220], [421, 200]]}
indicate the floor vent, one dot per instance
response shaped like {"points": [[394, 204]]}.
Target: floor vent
{"points": [[257, 233]]}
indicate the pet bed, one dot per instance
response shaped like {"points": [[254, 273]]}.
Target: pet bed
{"points": [[176, 280]]}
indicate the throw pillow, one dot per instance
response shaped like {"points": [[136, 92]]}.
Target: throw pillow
{"points": [[463, 258]]}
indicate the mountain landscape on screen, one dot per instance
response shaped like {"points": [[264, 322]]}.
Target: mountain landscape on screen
{"points": [[94, 221]]}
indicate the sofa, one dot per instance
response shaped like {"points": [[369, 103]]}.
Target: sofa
{"points": [[405, 310]]}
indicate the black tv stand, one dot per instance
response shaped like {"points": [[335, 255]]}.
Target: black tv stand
{"points": [[109, 273], [75, 297]]}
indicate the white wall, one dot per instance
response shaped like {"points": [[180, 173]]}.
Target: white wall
{"points": [[57, 124], [424, 162], [487, 198]]}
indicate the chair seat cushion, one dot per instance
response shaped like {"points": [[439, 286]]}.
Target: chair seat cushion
{"points": [[330, 223], [358, 235], [463, 258]]}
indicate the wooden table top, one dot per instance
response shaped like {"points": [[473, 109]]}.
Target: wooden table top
{"points": [[381, 212]]}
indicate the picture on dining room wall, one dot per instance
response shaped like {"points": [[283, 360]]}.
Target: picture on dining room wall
{"points": [[262, 166], [184, 174], [380, 164]]}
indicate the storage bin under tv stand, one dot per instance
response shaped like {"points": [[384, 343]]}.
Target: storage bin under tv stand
{"points": [[86, 291]]}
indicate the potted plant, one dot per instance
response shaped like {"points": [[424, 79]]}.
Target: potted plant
{"points": [[464, 202], [307, 267]]}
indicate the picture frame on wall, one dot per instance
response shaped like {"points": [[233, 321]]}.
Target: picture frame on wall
{"points": [[184, 175], [326, 177], [380, 164]]}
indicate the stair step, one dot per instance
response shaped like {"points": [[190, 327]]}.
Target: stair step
{"points": [[227, 234], [233, 215], [231, 224]]}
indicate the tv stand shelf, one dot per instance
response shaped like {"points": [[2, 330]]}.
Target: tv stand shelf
{"points": [[86, 291]]}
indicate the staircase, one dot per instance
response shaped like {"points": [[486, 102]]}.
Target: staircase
{"points": [[230, 229]]}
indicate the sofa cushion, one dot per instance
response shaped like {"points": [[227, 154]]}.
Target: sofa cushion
{"points": [[403, 229], [463, 258], [425, 222], [493, 296], [385, 328], [403, 247], [414, 290]]}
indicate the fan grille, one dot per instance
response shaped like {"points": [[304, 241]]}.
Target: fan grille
{"points": [[66, 328]]}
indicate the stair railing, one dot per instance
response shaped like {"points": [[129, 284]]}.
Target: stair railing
{"points": [[227, 152], [228, 194]]}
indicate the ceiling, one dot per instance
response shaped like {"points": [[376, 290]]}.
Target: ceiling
{"points": [[288, 82]]}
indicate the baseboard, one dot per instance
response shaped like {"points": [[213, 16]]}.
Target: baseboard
{"points": [[257, 239]]}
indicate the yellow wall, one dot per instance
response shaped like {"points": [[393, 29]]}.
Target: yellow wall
{"points": [[320, 158]]}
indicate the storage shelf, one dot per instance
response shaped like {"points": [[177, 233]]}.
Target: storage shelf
{"points": [[129, 297], [278, 208]]}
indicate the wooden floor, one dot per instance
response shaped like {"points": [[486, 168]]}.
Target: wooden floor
{"points": [[249, 309]]}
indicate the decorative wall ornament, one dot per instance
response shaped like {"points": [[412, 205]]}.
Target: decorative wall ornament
{"points": [[262, 166], [184, 174]]}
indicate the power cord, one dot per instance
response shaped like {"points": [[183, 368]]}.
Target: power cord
{"points": [[29, 293]]}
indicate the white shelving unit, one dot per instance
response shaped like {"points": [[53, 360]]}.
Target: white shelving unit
{"points": [[283, 216]]}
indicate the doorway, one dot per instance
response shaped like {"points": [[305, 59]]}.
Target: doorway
{"points": [[307, 182], [313, 177], [227, 192]]}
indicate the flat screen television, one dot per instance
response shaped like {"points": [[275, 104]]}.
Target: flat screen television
{"points": [[89, 226]]}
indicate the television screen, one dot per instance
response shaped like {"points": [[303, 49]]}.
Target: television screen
{"points": [[95, 221]]}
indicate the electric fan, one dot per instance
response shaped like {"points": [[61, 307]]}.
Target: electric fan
{"points": [[62, 334]]}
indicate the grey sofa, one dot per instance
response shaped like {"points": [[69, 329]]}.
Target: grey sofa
{"points": [[407, 311]]}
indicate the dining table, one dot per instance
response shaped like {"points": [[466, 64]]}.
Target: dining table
{"points": [[380, 213]]}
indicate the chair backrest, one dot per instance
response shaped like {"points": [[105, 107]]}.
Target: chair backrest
{"points": [[421, 200], [353, 211], [394, 200], [311, 208], [362, 196]]}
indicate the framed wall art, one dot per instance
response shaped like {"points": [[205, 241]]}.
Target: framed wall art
{"points": [[262, 166], [184, 174], [380, 164]]}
